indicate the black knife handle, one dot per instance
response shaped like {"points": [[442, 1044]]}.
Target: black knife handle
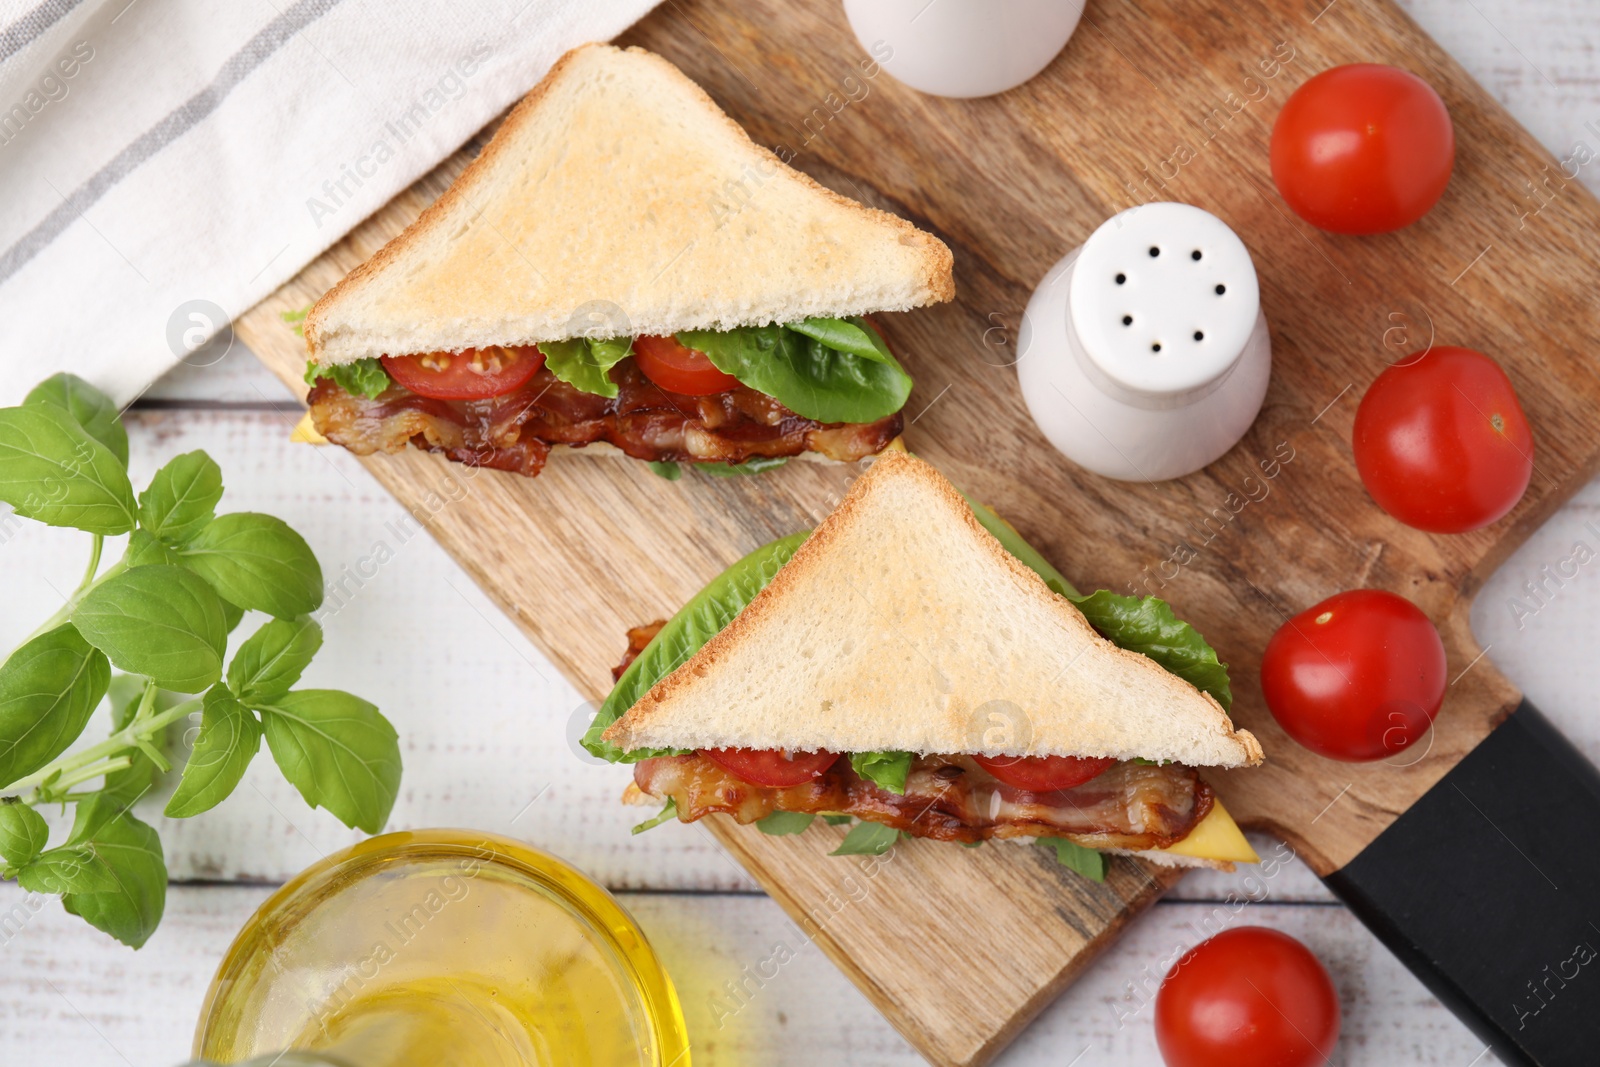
{"points": [[1488, 888]]}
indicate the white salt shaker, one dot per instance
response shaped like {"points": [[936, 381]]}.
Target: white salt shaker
{"points": [[963, 48], [1144, 355]]}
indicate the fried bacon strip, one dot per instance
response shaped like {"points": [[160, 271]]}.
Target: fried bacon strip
{"points": [[951, 798], [638, 638], [515, 431]]}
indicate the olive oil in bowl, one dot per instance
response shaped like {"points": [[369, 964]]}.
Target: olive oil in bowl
{"points": [[443, 947]]}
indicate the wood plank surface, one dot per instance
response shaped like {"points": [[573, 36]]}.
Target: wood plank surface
{"points": [[1012, 183]]}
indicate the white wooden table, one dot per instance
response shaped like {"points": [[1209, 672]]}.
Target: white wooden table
{"points": [[488, 727]]}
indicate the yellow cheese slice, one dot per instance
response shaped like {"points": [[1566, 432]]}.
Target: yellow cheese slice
{"points": [[1217, 837], [305, 432]]}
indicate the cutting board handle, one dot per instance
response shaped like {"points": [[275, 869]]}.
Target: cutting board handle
{"points": [[1488, 888]]}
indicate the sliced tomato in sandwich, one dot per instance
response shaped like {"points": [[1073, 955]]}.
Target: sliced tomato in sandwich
{"points": [[771, 767], [471, 374], [1044, 774], [678, 368]]}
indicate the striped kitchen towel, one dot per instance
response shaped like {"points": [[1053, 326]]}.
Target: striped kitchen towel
{"points": [[164, 164]]}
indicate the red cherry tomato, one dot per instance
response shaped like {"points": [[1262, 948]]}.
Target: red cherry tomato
{"points": [[771, 767], [1042, 774], [1247, 996], [1363, 148], [1357, 677], [1441, 442], [472, 374], [678, 368]]}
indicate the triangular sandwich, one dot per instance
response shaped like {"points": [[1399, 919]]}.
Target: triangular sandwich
{"points": [[914, 664], [622, 267]]}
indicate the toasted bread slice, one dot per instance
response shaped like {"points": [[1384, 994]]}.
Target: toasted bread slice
{"points": [[902, 625], [617, 200]]}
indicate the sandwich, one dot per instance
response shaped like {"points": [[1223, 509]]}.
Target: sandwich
{"points": [[913, 667], [622, 269]]}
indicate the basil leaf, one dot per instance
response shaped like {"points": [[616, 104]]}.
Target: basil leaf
{"points": [[780, 823], [182, 498], [23, 832], [48, 689], [887, 770], [53, 471], [364, 377], [232, 615], [867, 839], [338, 752], [1013, 543], [585, 364], [159, 621], [145, 549], [805, 375], [670, 471], [1149, 627], [68, 869], [669, 811], [132, 851], [271, 660], [229, 739], [696, 623], [257, 562], [753, 465], [1086, 861], [843, 335], [837, 820], [89, 408]]}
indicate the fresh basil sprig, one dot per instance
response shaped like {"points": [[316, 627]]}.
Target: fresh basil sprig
{"points": [[161, 615]]}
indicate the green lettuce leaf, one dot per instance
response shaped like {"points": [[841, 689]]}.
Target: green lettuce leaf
{"points": [[673, 471], [753, 465], [586, 364], [668, 812], [364, 377], [805, 374], [780, 823], [867, 839], [1148, 626], [1086, 861], [665, 469], [699, 620], [887, 770], [843, 335]]}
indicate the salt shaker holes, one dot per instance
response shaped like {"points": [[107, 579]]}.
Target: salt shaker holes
{"points": [[1161, 371]]}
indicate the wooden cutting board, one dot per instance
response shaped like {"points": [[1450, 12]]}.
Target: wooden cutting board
{"points": [[1157, 99]]}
